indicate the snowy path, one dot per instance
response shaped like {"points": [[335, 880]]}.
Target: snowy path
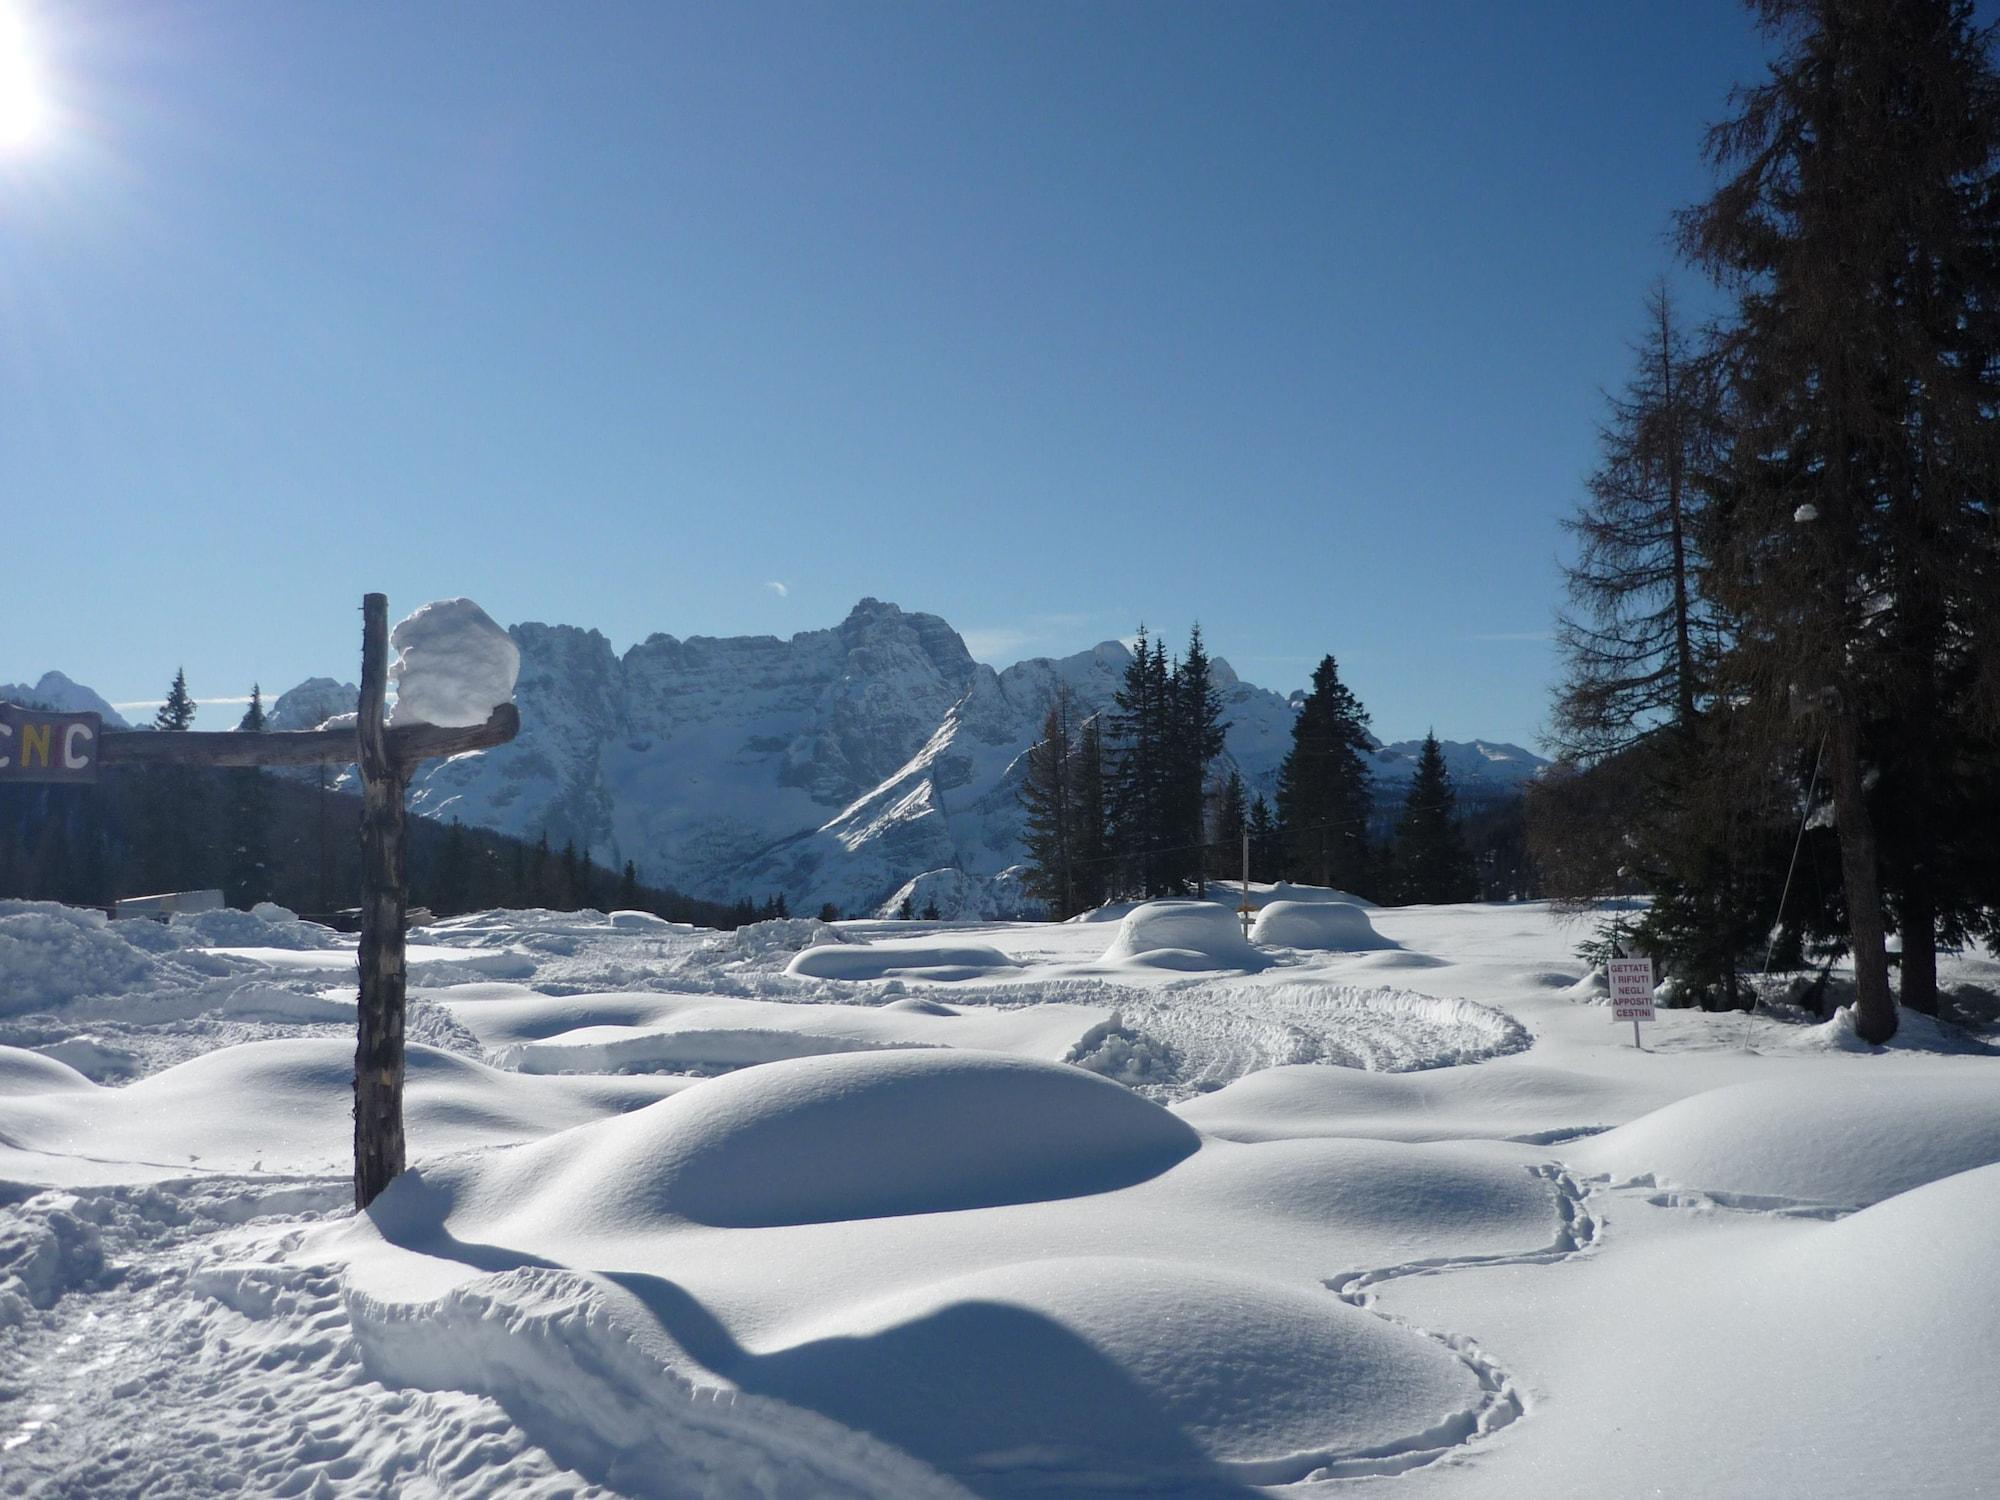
{"points": [[138, 1381]]}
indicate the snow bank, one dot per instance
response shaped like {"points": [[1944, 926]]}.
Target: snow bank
{"points": [[265, 925], [51, 954], [1191, 935], [453, 665], [1798, 1140], [853, 1136], [1155, 1371], [902, 960], [1333, 926]]}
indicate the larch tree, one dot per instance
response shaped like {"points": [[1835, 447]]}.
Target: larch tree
{"points": [[1857, 221]]}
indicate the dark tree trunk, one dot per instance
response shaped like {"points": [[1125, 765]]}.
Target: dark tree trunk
{"points": [[1874, 1007], [378, 1053]]}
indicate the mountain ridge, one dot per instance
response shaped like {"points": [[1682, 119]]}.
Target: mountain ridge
{"points": [[845, 765]]}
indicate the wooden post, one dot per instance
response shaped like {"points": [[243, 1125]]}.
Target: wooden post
{"points": [[378, 1050], [386, 757]]}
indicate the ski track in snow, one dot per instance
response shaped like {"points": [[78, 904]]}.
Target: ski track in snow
{"points": [[1578, 1232]]}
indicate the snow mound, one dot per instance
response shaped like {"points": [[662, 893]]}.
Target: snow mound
{"points": [[287, 1106], [849, 1136], [781, 935], [1192, 935], [1155, 1371], [1335, 926], [264, 926], [1798, 1141], [1915, 1032], [453, 665], [25, 1072], [901, 960], [51, 954]]}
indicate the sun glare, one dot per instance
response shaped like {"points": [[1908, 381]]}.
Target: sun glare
{"points": [[23, 111]]}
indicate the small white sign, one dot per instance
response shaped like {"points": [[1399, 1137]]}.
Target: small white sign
{"points": [[1631, 988]]}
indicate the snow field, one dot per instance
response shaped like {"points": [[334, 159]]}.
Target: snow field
{"points": [[1458, 1231]]}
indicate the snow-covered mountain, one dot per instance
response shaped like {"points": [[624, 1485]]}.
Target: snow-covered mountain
{"points": [[841, 765], [58, 694]]}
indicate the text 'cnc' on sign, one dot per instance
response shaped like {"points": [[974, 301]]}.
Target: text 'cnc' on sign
{"points": [[39, 746]]}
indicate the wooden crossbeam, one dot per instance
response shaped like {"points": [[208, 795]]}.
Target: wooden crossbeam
{"points": [[406, 744]]}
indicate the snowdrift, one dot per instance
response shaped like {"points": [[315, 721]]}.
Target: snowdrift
{"points": [[848, 1136], [1071, 1360], [279, 1106], [902, 960], [1331, 926], [1191, 935], [1797, 1140]]}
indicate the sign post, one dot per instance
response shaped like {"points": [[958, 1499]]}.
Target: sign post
{"points": [[38, 746], [1631, 991]]}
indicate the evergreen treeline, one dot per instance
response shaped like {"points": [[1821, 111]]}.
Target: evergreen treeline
{"points": [[1124, 804], [261, 837], [1784, 631]]}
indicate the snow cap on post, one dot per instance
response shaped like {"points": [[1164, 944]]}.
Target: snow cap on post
{"points": [[453, 665]]}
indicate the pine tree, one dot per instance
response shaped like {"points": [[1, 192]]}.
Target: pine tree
{"points": [[178, 711], [1093, 847], [931, 912], [1858, 222], [907, 912], [629, 894], [1265, 842], [1049, 824], [1323, 794], [1229, 828], [172, 828], [1432, 865], [1196, 731], [1140, 775]]}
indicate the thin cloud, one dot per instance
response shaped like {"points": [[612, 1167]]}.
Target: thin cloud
{"points": [[783, 591]]}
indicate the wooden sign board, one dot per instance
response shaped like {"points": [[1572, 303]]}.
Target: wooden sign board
{"points": [[53, 747]]}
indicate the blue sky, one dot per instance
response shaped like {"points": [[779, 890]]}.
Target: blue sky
{"points": [[712, 319]]}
